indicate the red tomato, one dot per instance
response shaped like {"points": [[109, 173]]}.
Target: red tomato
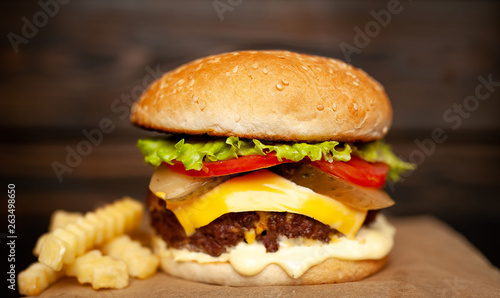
{"points": [[231, 166], [356, 170]]}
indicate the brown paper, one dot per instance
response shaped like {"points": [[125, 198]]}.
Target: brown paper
{"points": [[429, 259]]}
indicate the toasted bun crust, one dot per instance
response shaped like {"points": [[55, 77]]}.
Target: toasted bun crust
{"points": [[274, 95], [329, 271]]}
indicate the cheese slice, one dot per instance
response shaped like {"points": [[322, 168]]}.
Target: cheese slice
{"points": [[265, 191]]}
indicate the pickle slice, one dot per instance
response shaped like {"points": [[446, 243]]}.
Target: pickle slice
{"points": [[360, 197]]}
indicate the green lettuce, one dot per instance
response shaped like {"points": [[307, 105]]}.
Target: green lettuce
{"points": [[380, 151], [194, 151]]}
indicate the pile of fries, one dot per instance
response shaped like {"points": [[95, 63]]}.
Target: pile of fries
{"points": [[92, 247]]}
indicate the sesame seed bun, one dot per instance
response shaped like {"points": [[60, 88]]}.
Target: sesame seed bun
{"points": [[270, 95]]}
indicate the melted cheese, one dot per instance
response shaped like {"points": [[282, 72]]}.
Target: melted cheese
{"points": [[265, 191], [295, 256]]}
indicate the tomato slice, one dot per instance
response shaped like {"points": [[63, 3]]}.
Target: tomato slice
{"points": [[231, 166], [356, 170]]}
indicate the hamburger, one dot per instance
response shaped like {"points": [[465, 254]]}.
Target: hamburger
{"points": [[270, 169]]}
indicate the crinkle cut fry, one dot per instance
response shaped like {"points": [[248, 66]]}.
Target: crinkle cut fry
{"points": [[63, 245]]}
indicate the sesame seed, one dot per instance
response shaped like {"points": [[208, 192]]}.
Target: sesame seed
{"points": [[200, 102], [215, 60], [279, 87], [355, 83], [264, 70], [285, 82], [255, 65], [320, 107]]}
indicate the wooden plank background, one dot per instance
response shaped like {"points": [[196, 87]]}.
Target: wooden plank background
{"points": [[91, 53]]}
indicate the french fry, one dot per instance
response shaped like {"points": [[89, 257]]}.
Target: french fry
{"points": [[80, 235], [58, 219], [141, 262], [109, 225], [130, 213], [118, 219], [52, 252], [100, 271], [39, 243], [61, 218], [69, 240], [134, 213], [63, 245], [99, 228], [36, 278]]}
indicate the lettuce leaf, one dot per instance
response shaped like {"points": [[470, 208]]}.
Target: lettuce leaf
{"points": [[192, 153], [380, 151]]}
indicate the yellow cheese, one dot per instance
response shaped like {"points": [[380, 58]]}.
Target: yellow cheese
{"points": [[250, 236], [265, 191]]}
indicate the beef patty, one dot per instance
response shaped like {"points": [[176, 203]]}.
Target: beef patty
{"points": [[230, 229]]}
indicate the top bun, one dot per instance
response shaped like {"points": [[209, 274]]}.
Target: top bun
{"points": [[270, 95]]}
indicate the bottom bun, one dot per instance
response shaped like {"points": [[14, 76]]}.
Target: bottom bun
{"points": [[329, 271]]}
